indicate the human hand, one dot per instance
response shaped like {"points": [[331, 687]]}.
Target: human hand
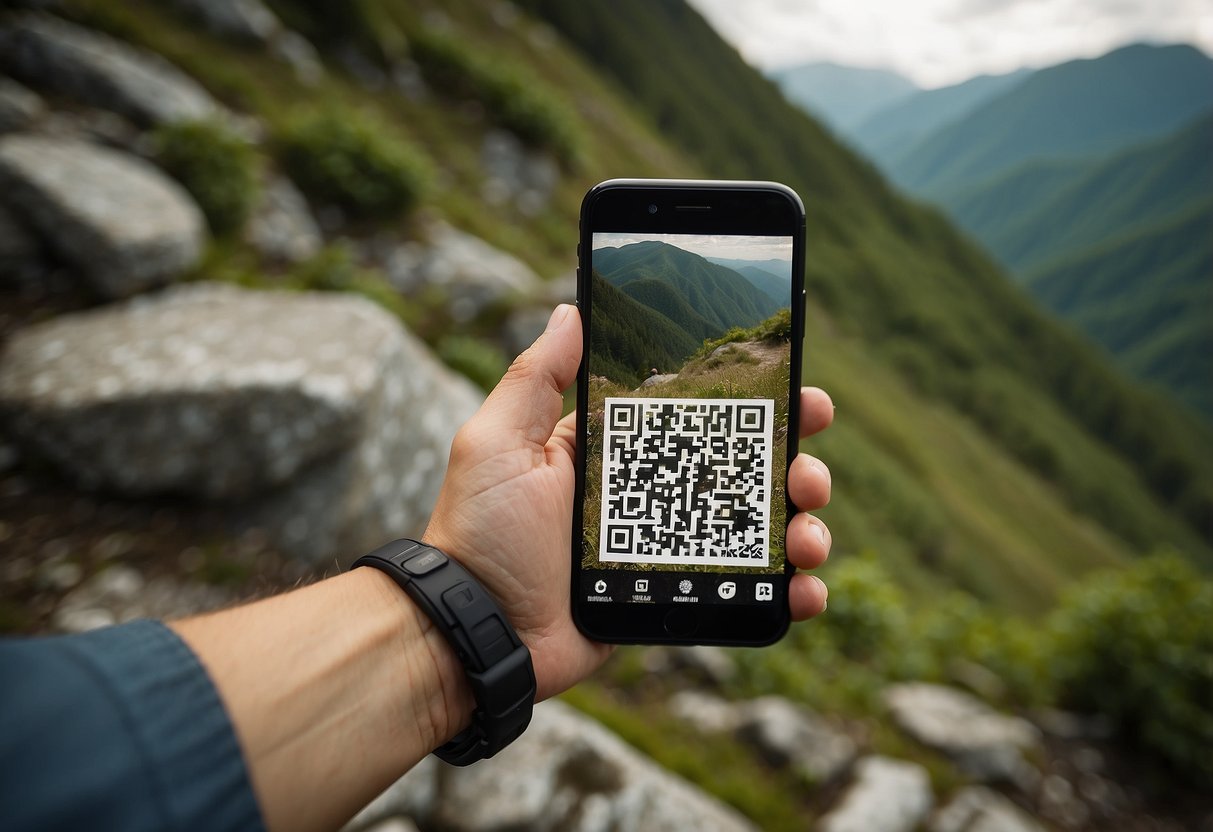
{"points": [[506, 505]]}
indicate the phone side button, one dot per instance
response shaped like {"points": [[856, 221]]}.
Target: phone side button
{"points": [[681, 622]]}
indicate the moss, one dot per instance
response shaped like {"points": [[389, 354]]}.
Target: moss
{"points": [[216, 166]]}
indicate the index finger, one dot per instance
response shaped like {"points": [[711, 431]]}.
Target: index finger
{"points": [[816, 410]]}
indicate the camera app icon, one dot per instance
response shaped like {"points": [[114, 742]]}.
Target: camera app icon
{"points": [[727, 589]]}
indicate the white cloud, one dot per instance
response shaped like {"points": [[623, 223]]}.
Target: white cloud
{"points": [[736, 247], [939, 42]]}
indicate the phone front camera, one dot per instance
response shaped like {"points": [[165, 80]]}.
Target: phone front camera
{"points": [[652, 207]]}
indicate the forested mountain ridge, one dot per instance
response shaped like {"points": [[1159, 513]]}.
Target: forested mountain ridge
{"points": [[715, 294]]}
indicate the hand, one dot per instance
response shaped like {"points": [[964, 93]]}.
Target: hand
{"points": [[506, 505]]}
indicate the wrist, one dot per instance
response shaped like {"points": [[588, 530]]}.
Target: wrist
{"points": [[435, 699]]}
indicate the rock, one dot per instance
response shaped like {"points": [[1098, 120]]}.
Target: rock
{"points": [[474, 274], [887, 795], [21, 258], [246, 20], [658, 379], [981, 741], [1071, 726], [100, 71], [317, 416], [710, 663], [565, 773], [19, 107], [515, 175], [282, 227], [300, 55], [119, 594], [789, 734], [1058, 802], [979, 809], [706, 713], [117, 218]]}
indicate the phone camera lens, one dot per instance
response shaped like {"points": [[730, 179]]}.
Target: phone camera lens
{"points": [[652, 207]]}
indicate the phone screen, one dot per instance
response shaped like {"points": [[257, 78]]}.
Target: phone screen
{"points": [[688, 373]]}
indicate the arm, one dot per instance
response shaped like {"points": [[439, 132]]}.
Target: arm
{"points": [[337, 689]]}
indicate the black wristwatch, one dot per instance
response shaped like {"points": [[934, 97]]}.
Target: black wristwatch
{"points": [[497, 663]]}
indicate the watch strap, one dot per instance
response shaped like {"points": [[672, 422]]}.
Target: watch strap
{"points": [[497, 663]]}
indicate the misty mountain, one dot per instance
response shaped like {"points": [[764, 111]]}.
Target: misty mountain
{"points": [[844, 96], [1076, 109], [897, 127], [703, 298], [771, 277]]}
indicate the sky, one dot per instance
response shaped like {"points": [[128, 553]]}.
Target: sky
{"points": [[732, 247], [940, 42]]}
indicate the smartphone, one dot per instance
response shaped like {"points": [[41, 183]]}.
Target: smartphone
{"points": [[692, 307]]}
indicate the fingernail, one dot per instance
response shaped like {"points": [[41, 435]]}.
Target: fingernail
{"points": [[818, 532], [825, 591], [558, 315]]}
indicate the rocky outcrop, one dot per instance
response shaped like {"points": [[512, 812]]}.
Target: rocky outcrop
{"points": [[791, 735], [565, 773], [979, 809], [100, 71], [982, 742], [473, 274], [282, 228], [318, 416], [120, 221], [887, 795], [247, 20], [19, 107]]}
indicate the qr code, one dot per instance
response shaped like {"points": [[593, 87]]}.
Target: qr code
{"points": [[687, 481]]}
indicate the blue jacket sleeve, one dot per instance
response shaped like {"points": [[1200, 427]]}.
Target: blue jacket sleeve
{"points": [[119, 728]]}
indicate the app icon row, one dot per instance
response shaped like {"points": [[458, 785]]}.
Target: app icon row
{"points": [[763, 590]]}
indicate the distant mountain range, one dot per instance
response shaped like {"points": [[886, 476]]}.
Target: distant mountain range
{"points": [[657, 303], [842, 96], [1089, 181]]}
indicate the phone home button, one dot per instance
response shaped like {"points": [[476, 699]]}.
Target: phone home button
{"points": [[681, 622]]}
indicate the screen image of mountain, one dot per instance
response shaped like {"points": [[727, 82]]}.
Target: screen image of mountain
{"points": [[654, 304]]}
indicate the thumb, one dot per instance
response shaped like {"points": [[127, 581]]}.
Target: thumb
{"points": [[528, 399]]}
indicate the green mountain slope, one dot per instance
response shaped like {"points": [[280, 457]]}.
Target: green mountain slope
{"points": [[1050, 208], [709, 292], [628, 339], [1075, 109], [922, 300], [1148, 298], [897, 127]]}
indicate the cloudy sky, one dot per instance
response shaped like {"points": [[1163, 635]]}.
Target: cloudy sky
{"points": [[733, 247], [940, 42]]}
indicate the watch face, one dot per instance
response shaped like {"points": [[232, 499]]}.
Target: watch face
{"points": [[691, 322]]}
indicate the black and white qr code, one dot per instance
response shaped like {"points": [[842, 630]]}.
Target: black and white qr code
{"points": [[687, 481]]}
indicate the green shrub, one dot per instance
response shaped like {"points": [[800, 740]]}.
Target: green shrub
{"points": [[513, 98], [1137, 646], [867, 612], [334, 269], [216, 166], [354, 161], [483, 363]]}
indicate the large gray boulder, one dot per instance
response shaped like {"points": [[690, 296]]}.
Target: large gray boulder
{"points": [[116, 218], [100, 71], [316, 416], [566, 772], [984, 743], [887, 795]]}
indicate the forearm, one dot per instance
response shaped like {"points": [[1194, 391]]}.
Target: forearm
{"points": [[335, 690]]}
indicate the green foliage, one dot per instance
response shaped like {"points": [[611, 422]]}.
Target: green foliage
{"points": [[334, 269], [1137, 645], [216, 166], [355, 161], [778, 327], [483, 363], [513, 97], [628, 339], [867, 611]]}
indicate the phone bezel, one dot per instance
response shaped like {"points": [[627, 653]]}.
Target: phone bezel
{"points": [[685, 207]]}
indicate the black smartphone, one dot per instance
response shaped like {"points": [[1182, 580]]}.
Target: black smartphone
{"points": [[692, 306]]}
